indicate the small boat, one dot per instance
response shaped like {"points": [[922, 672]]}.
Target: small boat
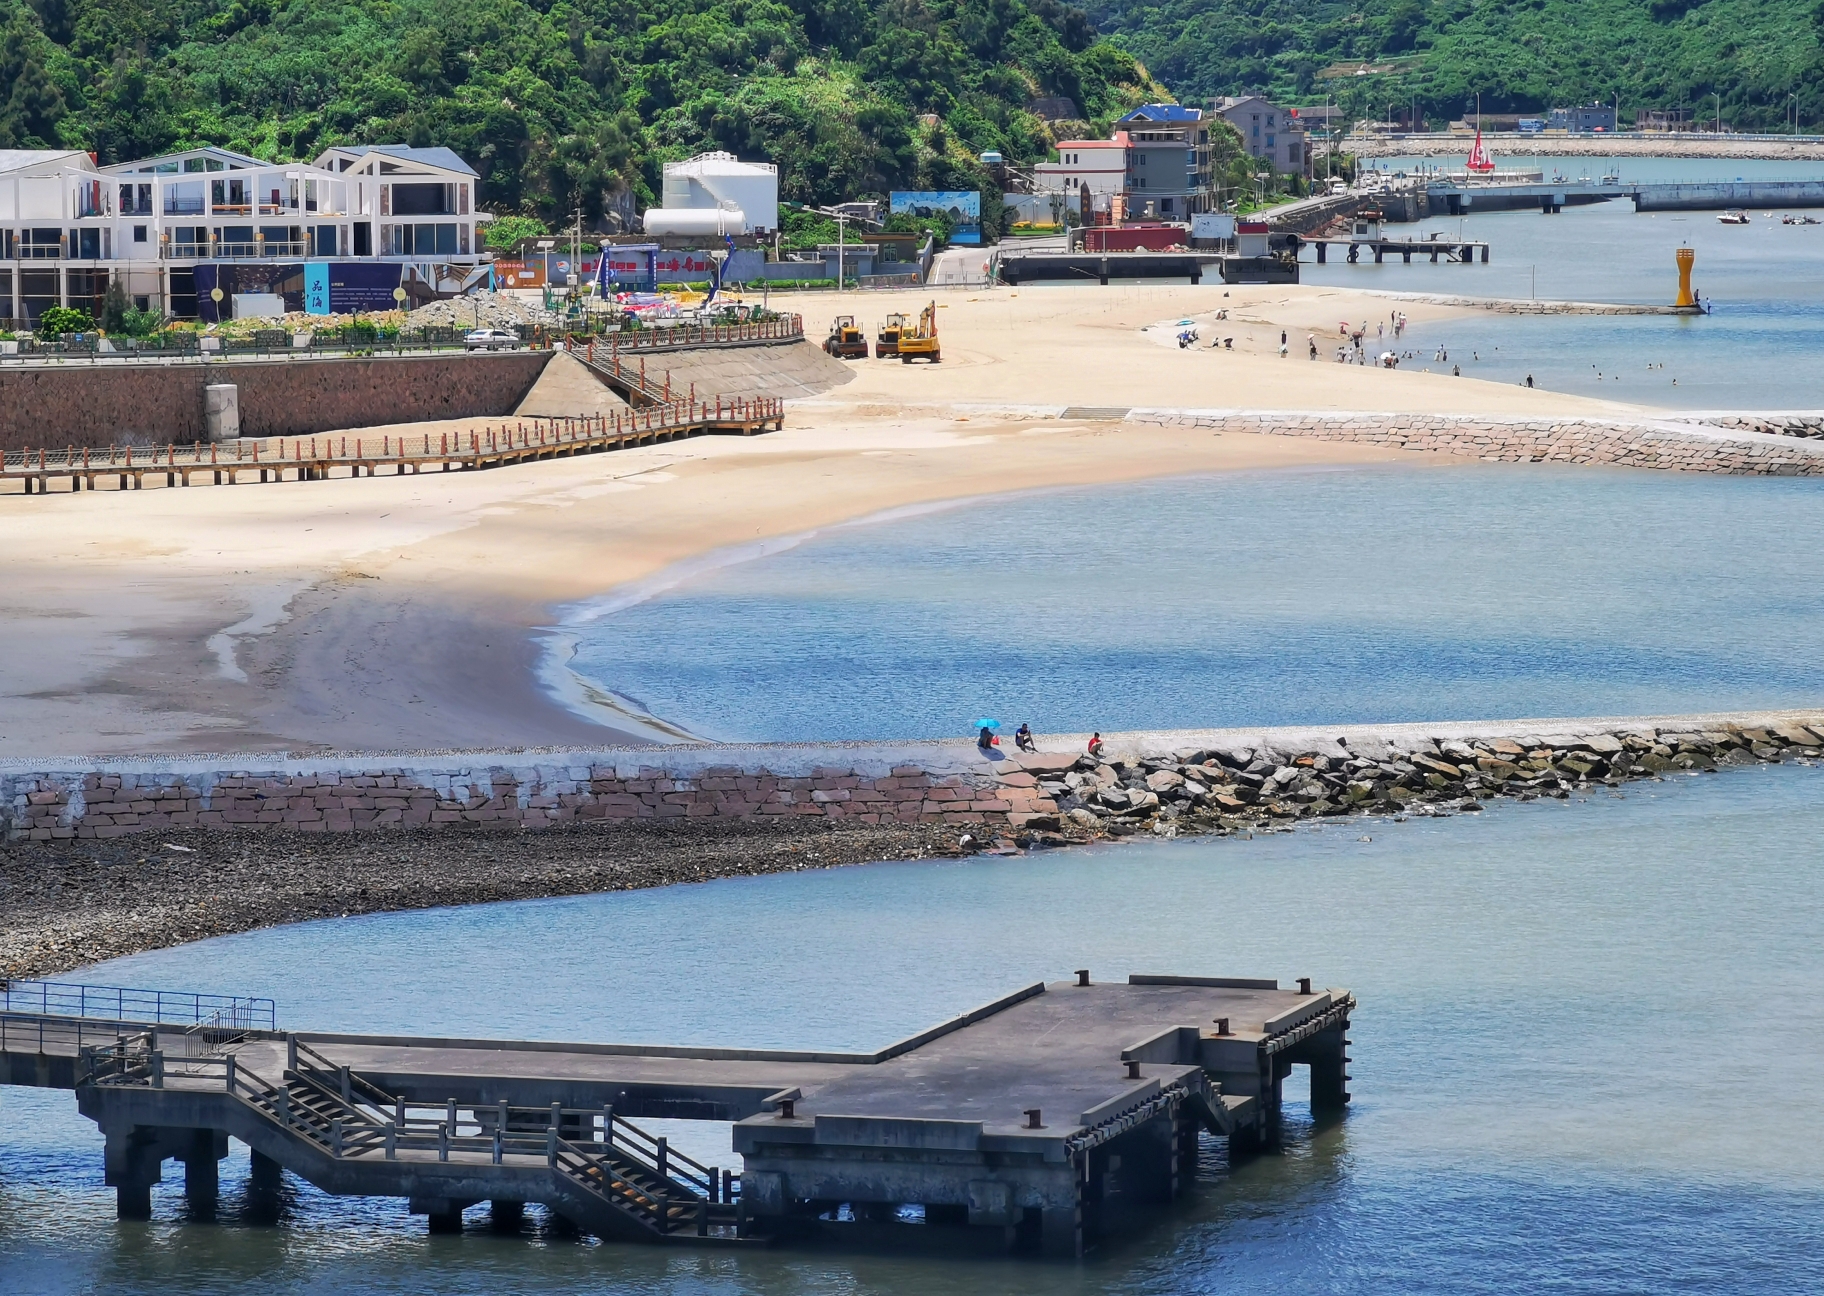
{"points": [[1790, 219], [1734, 216]]}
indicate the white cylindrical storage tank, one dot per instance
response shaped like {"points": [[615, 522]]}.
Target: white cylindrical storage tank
{"points": [[694, 222], [722, 179]]}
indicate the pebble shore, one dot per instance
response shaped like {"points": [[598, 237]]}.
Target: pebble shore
{"points": [[67, 904]]}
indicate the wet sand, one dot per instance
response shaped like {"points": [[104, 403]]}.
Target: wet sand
{"points": [[402, 613]]}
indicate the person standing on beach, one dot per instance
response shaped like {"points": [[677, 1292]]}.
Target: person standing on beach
{"points": [[1311, 341], [1529, 380]]}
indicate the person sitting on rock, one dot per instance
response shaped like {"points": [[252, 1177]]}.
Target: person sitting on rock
{"points": [[1022, 738], [1095, 745]]}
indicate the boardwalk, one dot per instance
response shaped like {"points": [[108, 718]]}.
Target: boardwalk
{"points": [[319, 458]]}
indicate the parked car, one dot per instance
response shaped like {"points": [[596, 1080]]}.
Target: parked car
{"points": [[489, 339]]}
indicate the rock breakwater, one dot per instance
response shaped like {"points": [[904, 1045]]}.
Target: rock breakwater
{"points": [[1250, 787], [1662, 444]]}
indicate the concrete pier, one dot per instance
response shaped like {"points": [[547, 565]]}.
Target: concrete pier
{"points": [[1038, 1122]]}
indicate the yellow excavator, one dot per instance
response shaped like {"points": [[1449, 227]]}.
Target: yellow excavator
{"points": [[886, 342], [921, 343], [846, 340]]}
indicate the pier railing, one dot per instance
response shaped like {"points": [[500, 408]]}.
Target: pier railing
{"points": [[348, 1117], [121, 1004]]}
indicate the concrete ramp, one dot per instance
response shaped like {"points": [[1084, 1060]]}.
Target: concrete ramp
{"points": [[568, 388], [784, 371]]}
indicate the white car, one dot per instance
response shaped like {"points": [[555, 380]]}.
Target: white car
{"points": [[489, 339]]}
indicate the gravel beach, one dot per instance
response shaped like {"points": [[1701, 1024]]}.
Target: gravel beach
{"points": [[65, 906]]}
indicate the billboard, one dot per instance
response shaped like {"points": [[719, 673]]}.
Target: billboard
{"points": [[1212, 225], [319, 287], [962, 206]]}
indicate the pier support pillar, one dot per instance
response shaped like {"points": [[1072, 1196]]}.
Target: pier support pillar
{"points": [[133, 1160], [202, 1171], [1328, 1056], [267, 1174], [442, 1214], [1061, 1231], [265, 1179]]}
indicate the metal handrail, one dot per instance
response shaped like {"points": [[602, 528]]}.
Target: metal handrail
{"points": [[119, 1003]]}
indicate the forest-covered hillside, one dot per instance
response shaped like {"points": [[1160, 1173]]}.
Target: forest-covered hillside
{"points": [[1518, 54], [577, 101], [566, 102]]}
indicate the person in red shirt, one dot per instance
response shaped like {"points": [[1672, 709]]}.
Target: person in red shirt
{"points": [[1095, 745]]}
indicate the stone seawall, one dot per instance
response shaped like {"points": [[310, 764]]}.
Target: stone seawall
{"points": [[1792, 423], [116, 800], [1216, 779], [156, 402], [1664, 444]]}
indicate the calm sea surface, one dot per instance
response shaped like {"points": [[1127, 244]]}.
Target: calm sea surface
{"points": [[1759, 350], [1587, 1058], [1352, 595]]}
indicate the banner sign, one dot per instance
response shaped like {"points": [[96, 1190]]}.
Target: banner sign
{"points": [[963, 207], [316, 287]]}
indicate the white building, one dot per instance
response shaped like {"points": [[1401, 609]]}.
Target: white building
{"points": [[1100, 166], [711, 181], [69, 228]]}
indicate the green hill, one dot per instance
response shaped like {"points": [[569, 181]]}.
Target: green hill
{"points": [[572, 102], [1520, 55]]}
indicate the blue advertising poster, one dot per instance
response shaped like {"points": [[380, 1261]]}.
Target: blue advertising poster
{"points": [[316, 287], [963, 207]]}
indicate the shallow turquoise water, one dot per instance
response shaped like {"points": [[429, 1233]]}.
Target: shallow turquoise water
{"points": [[1353, 595], [1759, 350], [1586, 1058]]}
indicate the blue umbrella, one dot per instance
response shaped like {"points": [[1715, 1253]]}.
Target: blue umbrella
{"points": [[987, 723]]}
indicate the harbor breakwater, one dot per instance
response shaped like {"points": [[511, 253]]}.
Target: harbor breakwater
{"points": [[1211, 780], [1669, 443]]}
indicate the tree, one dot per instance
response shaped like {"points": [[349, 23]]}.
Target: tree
{"points": [[33, 104], [505, 232], [114, 307]]}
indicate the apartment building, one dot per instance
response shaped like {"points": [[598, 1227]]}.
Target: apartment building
{"points": [[1156, 165], [177, 230], [1273, 134]]}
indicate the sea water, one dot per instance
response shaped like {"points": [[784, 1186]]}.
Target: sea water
{"points": [[1585, 1060], [1760, 348], [1347, 595]]}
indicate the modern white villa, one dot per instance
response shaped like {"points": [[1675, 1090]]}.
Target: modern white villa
{"points": [[344, 232]]}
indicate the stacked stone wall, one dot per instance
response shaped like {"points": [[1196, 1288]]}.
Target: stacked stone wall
{"points": [[155, 402], [49, 806], [1663, 445]]}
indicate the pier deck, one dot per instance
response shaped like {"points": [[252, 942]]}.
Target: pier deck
{"points": [[1035, 1122], [1457, 199]]}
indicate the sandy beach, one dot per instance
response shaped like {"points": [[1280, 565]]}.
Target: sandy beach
{"points": [[403, 613]]}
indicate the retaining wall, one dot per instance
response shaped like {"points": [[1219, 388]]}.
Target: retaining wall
{"points": [[155, 402], [116, 801], [1646, 444]]}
